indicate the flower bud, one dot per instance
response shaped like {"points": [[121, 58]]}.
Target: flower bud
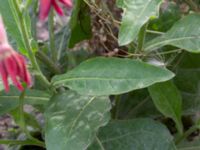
{"points": [[12, 64]]}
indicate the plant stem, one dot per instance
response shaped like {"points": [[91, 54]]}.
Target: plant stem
{"points": [[25, 142], [51, 36], [34, 22], [141, 38], [22, 122], [186, 134], [28, 46], [65, 33], [46, 60], [21, 111]]}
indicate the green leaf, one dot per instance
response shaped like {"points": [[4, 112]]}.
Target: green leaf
{"points": [[136, 14], [168, 101], [188, 82], [189, 145], [106, 76], [138, 134], [72, 120], [167, 17], [9, 101], [134, 104], [183, 34], [9, 18], [80, 23]]}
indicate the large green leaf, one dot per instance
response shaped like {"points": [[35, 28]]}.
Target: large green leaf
{"points": [[136, 14], [168, 101], [138, 134], [80, 23], [106, 76], [185, 34], [9, 101], [72, 120]]}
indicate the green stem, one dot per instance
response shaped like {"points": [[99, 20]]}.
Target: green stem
{"points": [[65, 33], [25, 142], [51, 36], [186, 134], [31, 55], [45, 59], [179, 126], [21, 111], [34, 21], [22, 122], [141, 38]]}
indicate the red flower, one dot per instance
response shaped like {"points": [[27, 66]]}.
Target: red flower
{"points": [[12, 64], [45, 6]]}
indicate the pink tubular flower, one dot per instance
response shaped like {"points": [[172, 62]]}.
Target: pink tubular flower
{"points": [[45, 6], [12, 64]]}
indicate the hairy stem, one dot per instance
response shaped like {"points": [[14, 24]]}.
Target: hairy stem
{"points": [[22, 122], [31, 54], [141, 38]]}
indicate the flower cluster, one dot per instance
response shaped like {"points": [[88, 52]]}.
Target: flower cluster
{"points": [[12, 64], [45, 6]]}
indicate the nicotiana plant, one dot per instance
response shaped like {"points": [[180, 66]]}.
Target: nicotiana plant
{"points": [[108, 75]]}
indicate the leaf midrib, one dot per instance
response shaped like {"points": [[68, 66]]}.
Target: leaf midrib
{"points": [[129, 134], [168, 41], [95, 78], [79, 114], [175, 116]]}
